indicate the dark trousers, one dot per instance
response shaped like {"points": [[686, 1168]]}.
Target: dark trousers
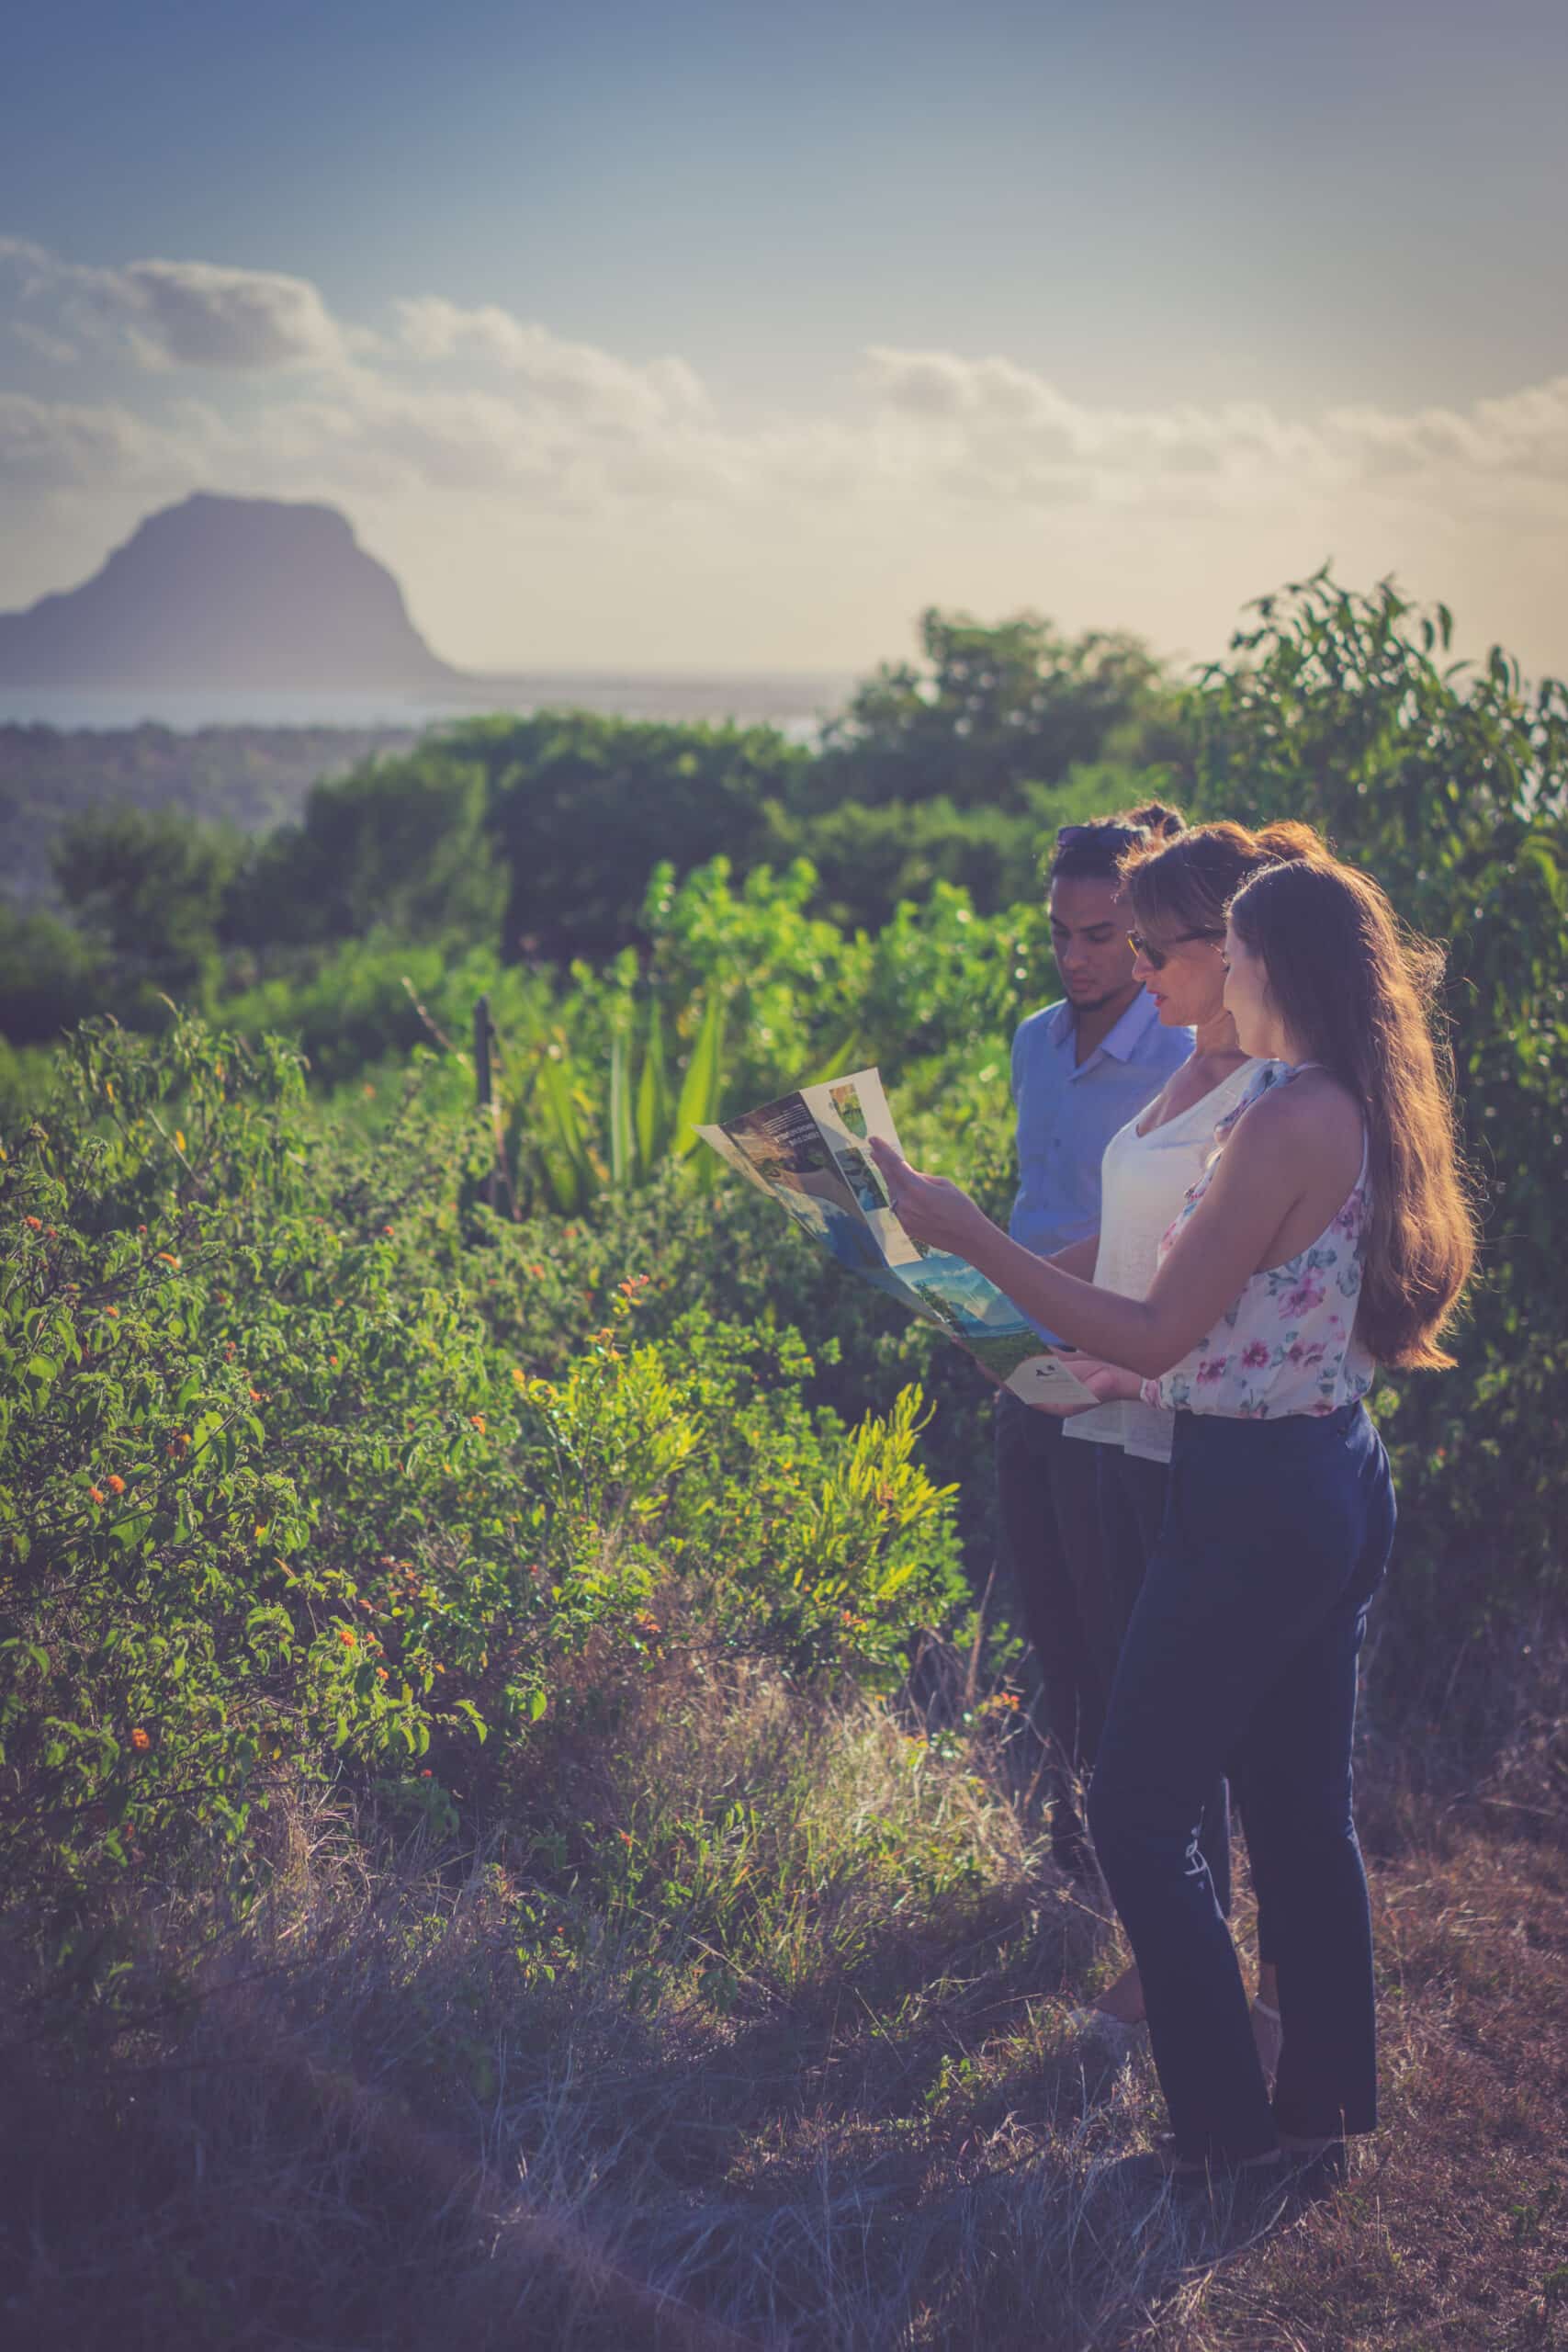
{"points": [[1048, 1503], [1240, 1660], [1133, 1495]]}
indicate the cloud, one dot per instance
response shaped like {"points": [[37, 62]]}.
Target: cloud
{"points": [[594, 385], [63, 445], [194, 314], [459, 400], [1000, 430], [52, 347], [187, 313], [1524, 432]]}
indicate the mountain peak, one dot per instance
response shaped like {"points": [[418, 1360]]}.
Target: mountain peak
{"points": [[230, 593]]}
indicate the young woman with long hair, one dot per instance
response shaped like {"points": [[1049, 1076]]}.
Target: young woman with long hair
{"points": [[1330, 1234], [1176, 890]]}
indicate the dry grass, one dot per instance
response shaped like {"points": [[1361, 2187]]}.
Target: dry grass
{"points": [[800, 2079]]}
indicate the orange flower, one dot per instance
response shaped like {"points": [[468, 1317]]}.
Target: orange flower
{"points": [[479, 1422], [537, 1269], [625, 1836], [113, 1313], [142, 1229], [387, 1232], [425, 1774], [255, 1396], [140, 1740], [96, 1493], [34, 1224], [116, 1483], [332, 1360], [168, 1259], [345, 1636]]}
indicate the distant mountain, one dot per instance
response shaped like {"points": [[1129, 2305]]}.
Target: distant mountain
{"points": [[239, 594]]}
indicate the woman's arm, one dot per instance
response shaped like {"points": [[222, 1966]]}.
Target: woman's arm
{"points": [[1261, 1175], [1078, 1257]]}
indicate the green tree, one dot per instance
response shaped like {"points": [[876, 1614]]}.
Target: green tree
{"points": [[49, 978], [991, 710], [147, 888], [586, 807], [399, 844]]}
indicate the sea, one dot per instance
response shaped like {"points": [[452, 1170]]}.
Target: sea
{"points": [[798, 705]]}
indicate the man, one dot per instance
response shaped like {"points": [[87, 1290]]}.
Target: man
{"points": [[1081, 1068]]}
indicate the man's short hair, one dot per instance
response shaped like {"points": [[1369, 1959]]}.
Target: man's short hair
{"points": [[1095, 850]]}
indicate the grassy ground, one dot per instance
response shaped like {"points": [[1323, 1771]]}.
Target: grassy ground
{"points": [[750, 2032]]}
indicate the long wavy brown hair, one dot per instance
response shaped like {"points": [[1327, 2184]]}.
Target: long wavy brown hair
{"points": [[1189, 880], [1358, 992]]}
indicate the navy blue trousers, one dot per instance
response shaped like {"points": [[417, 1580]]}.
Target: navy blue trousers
{"points": [[1240, 1660], [1133, 1497], [1047, 1501]]}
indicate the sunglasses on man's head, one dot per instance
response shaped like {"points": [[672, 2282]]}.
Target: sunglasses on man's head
{"points": [[1157, 958], [1103, 836]]}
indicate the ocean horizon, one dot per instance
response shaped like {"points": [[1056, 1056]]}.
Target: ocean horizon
{"points": [[797, 705]]}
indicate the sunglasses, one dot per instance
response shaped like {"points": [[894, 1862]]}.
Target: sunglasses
{"points": [[1107, 837], [1157, 958]]}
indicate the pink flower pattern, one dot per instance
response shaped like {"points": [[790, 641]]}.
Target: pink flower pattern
{"points": [[1288, 1343]]}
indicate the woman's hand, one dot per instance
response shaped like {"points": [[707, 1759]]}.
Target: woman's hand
{"points": [[928, 1207], [1110, 1382]]}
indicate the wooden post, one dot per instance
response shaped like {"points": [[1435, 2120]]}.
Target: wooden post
{"points": [[481, 1078], [481, 1053]]}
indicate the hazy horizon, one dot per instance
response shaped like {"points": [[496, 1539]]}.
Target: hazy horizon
{"points": [[705, 344]]}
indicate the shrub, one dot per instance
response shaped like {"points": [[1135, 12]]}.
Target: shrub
{"points": [[278, 1495]]}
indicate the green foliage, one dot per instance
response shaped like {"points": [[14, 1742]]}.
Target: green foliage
{"points": [[993, 710], [252, 778], [285, 1489], [148, 890], [357, 1006], [869, 858], [399, 846], [583, 808], [50, 976], [1447, 782]]}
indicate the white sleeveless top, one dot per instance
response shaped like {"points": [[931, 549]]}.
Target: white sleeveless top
{"points": [[1287, 1343], [1144, 1182]]}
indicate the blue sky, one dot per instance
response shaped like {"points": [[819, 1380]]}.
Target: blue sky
{"points": [[1123, 313]]}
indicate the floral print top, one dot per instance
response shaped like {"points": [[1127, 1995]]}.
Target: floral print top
{"points": [[1288, 1343]]}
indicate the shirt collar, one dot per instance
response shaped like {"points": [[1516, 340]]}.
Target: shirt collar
{"points": [[1132, 1029], [1124, 1040]]}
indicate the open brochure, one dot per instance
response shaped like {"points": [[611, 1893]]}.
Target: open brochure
{"points": [[807, 1151]]}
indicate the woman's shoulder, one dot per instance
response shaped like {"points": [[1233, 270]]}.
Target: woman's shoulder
{"points": [[1238, 1087], [1303, 1111]]}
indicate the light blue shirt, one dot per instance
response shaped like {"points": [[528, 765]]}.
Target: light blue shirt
{"points": [[1068, 1111]]}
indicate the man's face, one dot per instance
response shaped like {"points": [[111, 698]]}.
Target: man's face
{"points": [[1089, 932]]}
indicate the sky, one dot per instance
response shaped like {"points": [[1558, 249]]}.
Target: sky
{"points": [[688, 338]]}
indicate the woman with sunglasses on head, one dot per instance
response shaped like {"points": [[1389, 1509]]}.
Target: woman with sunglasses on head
{"points": [[1176, 892], [1330, 1234]]}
